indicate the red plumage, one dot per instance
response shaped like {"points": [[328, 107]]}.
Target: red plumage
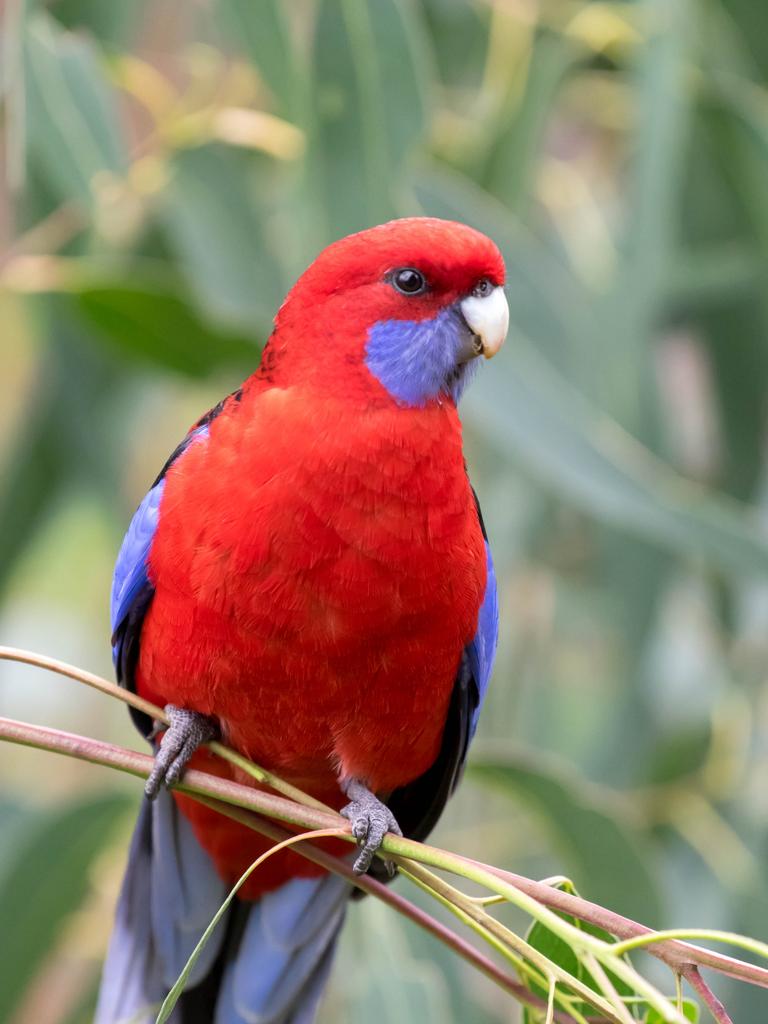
{"points": [[318, 563]]}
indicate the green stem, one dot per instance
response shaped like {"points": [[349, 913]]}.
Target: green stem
{"points": [[510, 945], [602, 979], [740, 941], [679, 956], [199, 783], [104, 686]]}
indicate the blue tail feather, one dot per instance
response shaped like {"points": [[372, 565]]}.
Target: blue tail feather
{"points": [[273, 974], [290, 934], [186, 893]]}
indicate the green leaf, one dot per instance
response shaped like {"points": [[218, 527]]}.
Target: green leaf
{"points": [[689, 1008], [157, 325], [116, 24], [533, 415], [216, 227], [560, 953], [261, 30], [370, 58], [516, 149], [600, 851], [72, 119], [47, 881], [679, 753], [526, 410]]}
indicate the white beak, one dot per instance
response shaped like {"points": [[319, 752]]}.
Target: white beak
{"points": [[488, 318]]}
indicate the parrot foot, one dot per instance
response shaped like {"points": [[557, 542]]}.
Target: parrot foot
{"points": [[371, 820], [188, 730]]}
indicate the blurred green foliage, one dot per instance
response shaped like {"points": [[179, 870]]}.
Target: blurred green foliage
{"points": [[172, 168]]}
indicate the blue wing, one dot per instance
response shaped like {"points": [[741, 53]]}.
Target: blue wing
{"points": [[130, 576], [418, 805], [130, 584], [481, 653], [132, 590]]}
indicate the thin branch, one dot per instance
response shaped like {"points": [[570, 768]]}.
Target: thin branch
{"points": [[713, 1004], [130, 761], [399, 903], [538, 899], [156, 713], [246, 805], [679, 956], [596, 970]]}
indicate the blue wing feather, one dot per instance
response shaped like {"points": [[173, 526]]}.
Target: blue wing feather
{"points": [[132, 589], [481, 653], [130, 576]]}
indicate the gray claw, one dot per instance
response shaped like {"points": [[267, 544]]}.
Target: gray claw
{"points": [[371, 820], [188, 730]]}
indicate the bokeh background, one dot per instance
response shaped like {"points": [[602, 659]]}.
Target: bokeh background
{"points": [[168, 170]]}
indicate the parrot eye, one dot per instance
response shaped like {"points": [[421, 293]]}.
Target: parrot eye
{"points": [[482, 288], [409, 281]]}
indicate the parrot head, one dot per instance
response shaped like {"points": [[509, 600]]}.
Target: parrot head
{"points": [[409, 306]]}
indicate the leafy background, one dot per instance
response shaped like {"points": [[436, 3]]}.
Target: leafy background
{"points": [[168, 170]]}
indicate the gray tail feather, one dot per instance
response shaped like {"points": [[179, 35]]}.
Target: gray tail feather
{"points": [[268, 964]]}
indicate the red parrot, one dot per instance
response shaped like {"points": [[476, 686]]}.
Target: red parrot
{"points": [[309, 579]]}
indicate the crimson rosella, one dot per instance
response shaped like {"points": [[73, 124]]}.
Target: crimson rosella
{"points": [[309, 579]]}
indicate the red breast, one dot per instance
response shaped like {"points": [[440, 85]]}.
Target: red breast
{"points": [[318, 571]]}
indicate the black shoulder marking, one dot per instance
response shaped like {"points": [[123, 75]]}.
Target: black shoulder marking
{"points": [[126, 638], [209, 417], [479, 513]]}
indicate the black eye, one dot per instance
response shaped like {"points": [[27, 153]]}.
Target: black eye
{"points": [[482, 288], [409, 281]]}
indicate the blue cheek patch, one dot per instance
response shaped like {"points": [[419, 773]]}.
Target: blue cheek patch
{"points": [[416, 360]]}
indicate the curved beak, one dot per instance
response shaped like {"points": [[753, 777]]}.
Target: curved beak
{"points": [[488, 319]]}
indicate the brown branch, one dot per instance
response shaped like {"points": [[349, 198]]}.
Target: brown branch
{"points": [[702, 989], [399, 903], [679, 956], [228, 797]]}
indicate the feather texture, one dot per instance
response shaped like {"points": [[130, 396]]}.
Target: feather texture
{"points": [[290, 934], [170, 892], [310, 569]]}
